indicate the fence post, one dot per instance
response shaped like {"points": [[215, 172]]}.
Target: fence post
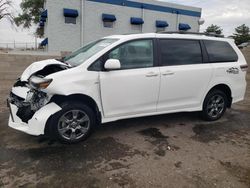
{"points": [[35, 42]]}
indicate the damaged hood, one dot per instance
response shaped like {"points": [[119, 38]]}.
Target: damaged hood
{"points": [[38, 66]]}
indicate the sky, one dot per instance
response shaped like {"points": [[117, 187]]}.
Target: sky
{"points": [[226, 13]]}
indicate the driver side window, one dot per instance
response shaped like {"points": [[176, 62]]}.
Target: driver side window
{"points": [[134, 54]]}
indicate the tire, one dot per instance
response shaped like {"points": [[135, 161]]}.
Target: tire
{"points": [[74, 123], [214, 106]]}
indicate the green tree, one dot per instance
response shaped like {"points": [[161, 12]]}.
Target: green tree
{"points": [[214, 29], [5, 6], [31, 11], [242, 34]]}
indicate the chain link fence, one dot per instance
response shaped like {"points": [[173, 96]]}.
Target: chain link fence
{"points": [[20, 46]]}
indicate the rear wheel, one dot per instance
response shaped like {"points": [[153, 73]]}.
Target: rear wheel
{"points": [[214, 105], [73, 123]]}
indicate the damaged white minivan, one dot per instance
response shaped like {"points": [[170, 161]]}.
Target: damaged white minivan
{"points": [[125, 76]]}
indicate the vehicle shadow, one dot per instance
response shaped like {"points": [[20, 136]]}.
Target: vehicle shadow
{"points": [[158, 120]]}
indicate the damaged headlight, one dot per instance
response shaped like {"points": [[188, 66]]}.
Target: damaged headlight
{"points": [[37, 82]]}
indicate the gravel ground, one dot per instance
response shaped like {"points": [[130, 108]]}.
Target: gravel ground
{"points": [[175, 150]]}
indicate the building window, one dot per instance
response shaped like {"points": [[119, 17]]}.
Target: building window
{"points": [[108, 20], [70, 15], [160, 29], [136, 28], [108, 24], [136, 23], [70, 20]]}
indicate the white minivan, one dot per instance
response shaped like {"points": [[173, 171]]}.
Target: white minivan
{"points": [[125, 76]]}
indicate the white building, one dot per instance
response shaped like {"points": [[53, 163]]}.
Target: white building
{"points": [[71, 23]]}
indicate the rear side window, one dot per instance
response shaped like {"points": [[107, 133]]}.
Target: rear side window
{"points": [[180, 52], [220, 51]]}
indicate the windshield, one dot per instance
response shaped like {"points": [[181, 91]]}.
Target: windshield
{"points": [[81, 55]]}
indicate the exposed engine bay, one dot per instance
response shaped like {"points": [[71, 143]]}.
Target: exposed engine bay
{"points": [[28, 95]]}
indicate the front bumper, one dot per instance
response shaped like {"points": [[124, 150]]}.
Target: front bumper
{"points": [[36, 125]]}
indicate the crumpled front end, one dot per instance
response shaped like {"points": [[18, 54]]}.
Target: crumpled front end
{"points": [[35, 125], [30, 107]]}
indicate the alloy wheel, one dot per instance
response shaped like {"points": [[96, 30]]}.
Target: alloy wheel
{"points": [[73, 124], [215, 106]]}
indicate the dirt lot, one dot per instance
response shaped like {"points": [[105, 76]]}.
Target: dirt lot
{"points": [[176, 150]]}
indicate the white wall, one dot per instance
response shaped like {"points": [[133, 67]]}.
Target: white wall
{"points": [[61, 36], [94, 25], [94, 29], [67, 37]]}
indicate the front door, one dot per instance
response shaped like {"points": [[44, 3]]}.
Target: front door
{"points": [[134, 88]]}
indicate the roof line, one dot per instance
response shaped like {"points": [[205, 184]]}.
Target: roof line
{"points": [[148, 6]]}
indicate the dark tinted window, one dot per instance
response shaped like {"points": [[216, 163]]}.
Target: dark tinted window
{"points": [[180, 52], [219, 51], [134, 54], [70, 20]]}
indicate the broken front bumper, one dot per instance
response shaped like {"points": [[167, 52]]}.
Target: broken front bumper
{"points": [[36, 125]]}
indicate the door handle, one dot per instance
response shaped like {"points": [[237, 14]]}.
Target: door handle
{"points": [[166, 73], [151, 74]]}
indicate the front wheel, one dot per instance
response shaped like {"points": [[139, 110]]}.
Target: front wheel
{"points": [[214, 105], [73, 123]]}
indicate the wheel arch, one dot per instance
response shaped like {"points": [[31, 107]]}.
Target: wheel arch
{"points": [[224, 88], [59, 99]]}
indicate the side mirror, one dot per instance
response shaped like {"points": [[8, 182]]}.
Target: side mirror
{"points": [[112, 64]]}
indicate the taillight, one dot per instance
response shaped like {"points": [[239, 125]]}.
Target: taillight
{"points": [[244, 67]]}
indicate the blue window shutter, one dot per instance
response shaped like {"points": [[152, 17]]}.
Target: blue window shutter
{"points": [[108, 18], [161, 24], [184, 27], [44, 14], [136, 21], [44, 42], [70, 13]]}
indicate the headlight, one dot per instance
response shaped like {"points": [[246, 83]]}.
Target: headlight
{"points": [[39, 83]]}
